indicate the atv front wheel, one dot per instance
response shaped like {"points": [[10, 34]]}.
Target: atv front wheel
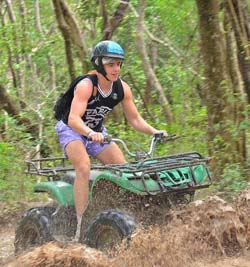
{"points": [[34, 229], [108, 229]]}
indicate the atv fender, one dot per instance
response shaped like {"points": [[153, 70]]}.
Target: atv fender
{"points": [[60, 191]]}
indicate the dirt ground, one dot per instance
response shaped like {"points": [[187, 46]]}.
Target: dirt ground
{"points": [[204, 233]]}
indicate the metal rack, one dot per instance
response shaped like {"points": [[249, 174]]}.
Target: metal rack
{"points": [[54, 166], [142, 170]]}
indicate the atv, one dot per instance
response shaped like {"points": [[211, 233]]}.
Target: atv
{"points": [[122, 197]]}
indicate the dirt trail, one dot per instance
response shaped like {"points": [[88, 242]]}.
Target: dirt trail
{"points": [[209, 233], [6, 241]]}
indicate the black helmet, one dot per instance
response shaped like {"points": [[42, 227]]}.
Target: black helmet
{"points": [[105, 49]]}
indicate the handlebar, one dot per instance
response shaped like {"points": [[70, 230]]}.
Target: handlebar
{"points": [[156, 138]]}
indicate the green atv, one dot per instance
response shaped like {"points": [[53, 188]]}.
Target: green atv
{"points": [[122, 197]]}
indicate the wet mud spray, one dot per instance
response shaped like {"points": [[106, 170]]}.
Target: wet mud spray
{"points": [[204, 233]]}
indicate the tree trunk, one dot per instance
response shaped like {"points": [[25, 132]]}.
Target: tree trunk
{"points": [[239, 94], [10, 56], [75, 33], [37, 16], [108, 28], [104, 15], [72, 33], [16, 55], [148, 70], [110, 25], [65, 30], [52, 73], [240, 19], [218, 87], [25, 58]]}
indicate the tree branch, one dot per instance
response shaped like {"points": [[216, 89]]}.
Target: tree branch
{"points": [[113, 23], [166, 43], [148, 70], [7, 104]]}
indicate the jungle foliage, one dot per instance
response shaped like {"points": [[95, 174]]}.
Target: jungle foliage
{"points": [[44, 44]]}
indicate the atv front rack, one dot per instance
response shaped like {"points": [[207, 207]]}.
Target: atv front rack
{"points": [[49, 167], [187, 171]]}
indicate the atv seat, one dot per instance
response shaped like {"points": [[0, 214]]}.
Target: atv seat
{"points": [[70, 176]]}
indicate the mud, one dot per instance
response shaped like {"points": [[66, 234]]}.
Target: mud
{"points": [[204, 233], [146, 210]]}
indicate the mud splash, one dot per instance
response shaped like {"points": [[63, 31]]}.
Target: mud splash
{"points": [[197, 235]]}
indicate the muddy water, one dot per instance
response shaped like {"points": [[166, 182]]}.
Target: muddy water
{"points": [[209, 233]]}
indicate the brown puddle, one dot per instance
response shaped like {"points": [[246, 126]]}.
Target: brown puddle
{"points": [[204, 233]]}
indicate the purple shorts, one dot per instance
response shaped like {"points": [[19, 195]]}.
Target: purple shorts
{"points": [[67, 135]]}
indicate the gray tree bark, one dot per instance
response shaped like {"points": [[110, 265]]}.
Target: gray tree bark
{"points": [[219, 88], [148, 69]]}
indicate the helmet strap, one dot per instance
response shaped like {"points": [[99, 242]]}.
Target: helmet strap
{"points": [[100, 68]]}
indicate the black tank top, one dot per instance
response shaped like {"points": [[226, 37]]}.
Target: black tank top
{"points": [[99, 105]]}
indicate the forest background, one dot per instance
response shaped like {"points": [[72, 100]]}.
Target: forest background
{"points": [[187, 62]]}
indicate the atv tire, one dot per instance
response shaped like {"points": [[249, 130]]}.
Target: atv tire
{"points": [[108, 230], [34, 229]]}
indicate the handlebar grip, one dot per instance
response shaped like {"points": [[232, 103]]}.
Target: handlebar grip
{"points": [[162, 137], [159, 135], [107, 138]]}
